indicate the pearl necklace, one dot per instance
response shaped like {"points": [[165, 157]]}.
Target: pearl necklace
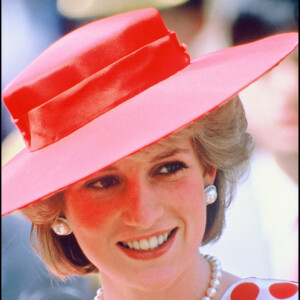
{"points": [[216, 274]]}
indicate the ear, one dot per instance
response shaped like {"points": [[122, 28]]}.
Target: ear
{"points": [[209, 175]]}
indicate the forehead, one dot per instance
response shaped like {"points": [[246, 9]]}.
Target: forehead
{"points": [[161, 150], [165, 147]]}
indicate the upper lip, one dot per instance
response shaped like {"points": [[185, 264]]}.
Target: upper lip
{"points": [[146, 236]]}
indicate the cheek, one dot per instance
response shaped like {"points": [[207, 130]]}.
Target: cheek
{"points": [[187, 196], [190, 207], [89, 212]]}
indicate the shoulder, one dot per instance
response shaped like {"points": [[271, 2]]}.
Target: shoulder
{"points": [[261, 289]]}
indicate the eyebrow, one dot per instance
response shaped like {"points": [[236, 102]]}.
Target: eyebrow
{"points": [[163, 155], [169, 153], [111, 168]]}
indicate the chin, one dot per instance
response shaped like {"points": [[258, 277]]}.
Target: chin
{"points": [[156, 279]]}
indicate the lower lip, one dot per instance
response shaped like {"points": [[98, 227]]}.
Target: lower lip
{"points": [[150, 254]]}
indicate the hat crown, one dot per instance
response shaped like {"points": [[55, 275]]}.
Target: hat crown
{"points": [[81, 53], [68, 66]]}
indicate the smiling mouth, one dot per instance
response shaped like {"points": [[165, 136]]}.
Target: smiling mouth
{"points": [[151, 243]]}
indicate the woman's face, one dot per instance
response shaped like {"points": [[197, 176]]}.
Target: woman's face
{"points": [[138, 203]]}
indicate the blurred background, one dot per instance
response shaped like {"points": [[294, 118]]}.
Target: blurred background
{"points": [[261, 236]]}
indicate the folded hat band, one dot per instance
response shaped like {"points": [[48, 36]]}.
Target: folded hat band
{"points": [[102, 91]]}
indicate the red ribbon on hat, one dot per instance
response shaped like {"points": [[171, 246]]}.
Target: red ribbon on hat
{"points": [[101, 91]]}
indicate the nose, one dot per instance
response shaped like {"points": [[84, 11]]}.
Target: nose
{"points": [[142, 206]]}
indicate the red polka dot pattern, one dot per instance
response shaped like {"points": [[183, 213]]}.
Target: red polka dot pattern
{"points": [[262, 289], [245, 291], [283, 290]]}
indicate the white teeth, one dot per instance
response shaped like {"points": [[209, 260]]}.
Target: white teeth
{"points": [[130, 244], [144, 244], [165, 235], [136, 245], [153, 242], [147, 244], [160, 239]]}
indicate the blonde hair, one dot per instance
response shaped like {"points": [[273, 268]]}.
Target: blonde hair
{"points": [[219, 139]]}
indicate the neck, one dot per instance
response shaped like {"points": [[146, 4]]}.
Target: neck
{"points": [[289, 164], [191, 284]]}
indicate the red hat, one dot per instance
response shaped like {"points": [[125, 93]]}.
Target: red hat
{"points": [[111, 88]]}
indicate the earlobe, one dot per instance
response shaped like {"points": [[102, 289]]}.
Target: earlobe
{"points": [[209, 175], [210, 190], [61, 226], [210, 194]]}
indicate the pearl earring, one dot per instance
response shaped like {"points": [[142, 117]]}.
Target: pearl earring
{"points": [[61, 226], [210, 194]]}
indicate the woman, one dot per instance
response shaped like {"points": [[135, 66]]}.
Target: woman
{"points": [[133, 156]]}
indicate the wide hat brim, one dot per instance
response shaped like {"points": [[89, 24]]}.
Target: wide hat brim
{"points": [[158, 111]]}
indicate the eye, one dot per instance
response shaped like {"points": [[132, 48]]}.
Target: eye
{"points": [[104, 182], [170, 168]]}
